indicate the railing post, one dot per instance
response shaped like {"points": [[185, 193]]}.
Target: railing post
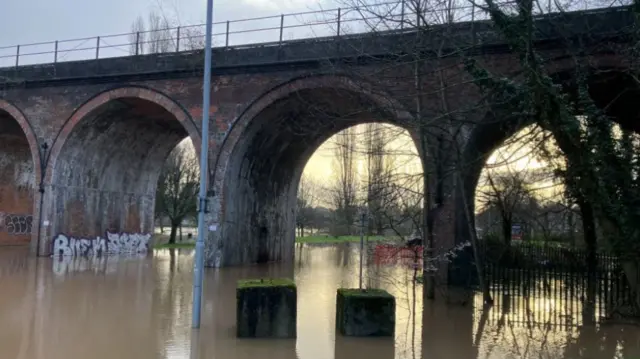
{"points": [[137, 43], [55, 52], [97, 47], [473, 24], [339, 15], [281, 26], [402, 15], [17, 55], [178, 40], [226, 39]]}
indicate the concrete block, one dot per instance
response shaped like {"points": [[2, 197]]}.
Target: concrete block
{"points": [[266, 308], [365, 312]]}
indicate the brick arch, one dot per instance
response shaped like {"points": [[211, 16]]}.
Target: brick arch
{"points": [[492, 130], [281, 91], [25, 125], [243, 141], [95, 102]]}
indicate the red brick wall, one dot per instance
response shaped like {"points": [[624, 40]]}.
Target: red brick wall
{"points": [[16, 190]]}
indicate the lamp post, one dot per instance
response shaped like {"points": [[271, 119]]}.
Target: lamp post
{"points": [[204, 160]]}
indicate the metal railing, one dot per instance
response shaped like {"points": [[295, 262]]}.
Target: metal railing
{"points": [[252, 32]]}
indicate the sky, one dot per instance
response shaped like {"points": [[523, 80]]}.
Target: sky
{"points": [[321, 165], [28, 21]]}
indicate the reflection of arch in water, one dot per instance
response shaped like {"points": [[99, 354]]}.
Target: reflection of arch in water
{"points": [[62, 266]]}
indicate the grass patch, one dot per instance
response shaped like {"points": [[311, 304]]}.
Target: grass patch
{"points": [[266, 282], [355, 292], [340, 239], [175, 245], [308, 239]]}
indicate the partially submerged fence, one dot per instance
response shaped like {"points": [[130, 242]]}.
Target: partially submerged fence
{"points": [[561, 277]]}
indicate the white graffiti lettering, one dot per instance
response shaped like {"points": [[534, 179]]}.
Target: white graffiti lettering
{"points": [[115, 243]]}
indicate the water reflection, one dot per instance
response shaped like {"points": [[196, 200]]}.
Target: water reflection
{"points": [[140, 307]]}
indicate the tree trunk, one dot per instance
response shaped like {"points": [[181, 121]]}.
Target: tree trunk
{"points": [[571, 225], [632, 273], [506, 234], [180, 228], [590, 239], [506, 231], [174, 230], [428, 245]]}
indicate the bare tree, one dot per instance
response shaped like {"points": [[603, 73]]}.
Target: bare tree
{"points": [[178, 187], [306, 201], [159, 39], [600, 173], [437, 128], [137, 36], [344, 190], [380, 176], [507, 192], [158, 35]]}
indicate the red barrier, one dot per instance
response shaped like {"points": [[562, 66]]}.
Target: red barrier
{"points": [[394, 254]]}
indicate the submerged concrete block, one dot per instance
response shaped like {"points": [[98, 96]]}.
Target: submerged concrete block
{"points": [[266, 308], [365, 312]]}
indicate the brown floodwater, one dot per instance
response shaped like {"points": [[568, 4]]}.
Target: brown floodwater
{"points": [[140, 307]]}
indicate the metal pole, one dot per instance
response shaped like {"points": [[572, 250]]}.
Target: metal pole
{"points": [[362, 215], [178, 39], [138, 43], [17, 55], [402, 16], [473, 23], [55, 53], [204, 160], [97, 47], [226, 36], [281, 27], [339, 15]]}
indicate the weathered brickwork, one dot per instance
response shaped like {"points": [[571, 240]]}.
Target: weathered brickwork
{"points": [[108, 137], [18, 174]]}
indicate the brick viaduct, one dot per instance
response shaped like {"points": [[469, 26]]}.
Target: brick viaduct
{"points": [[109, 124]]}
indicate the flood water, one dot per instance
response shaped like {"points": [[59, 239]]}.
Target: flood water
{"points": [[140, 307]]}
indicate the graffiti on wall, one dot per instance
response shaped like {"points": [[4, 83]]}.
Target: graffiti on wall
{"points": [[115, 243], [16, 224]]}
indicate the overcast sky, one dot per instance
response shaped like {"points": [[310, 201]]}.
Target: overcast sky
{"points": [[28, 21]]}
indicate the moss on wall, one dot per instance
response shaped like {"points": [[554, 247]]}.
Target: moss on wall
{"points": [[266, 282], [364, 292], [370, 312]]}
